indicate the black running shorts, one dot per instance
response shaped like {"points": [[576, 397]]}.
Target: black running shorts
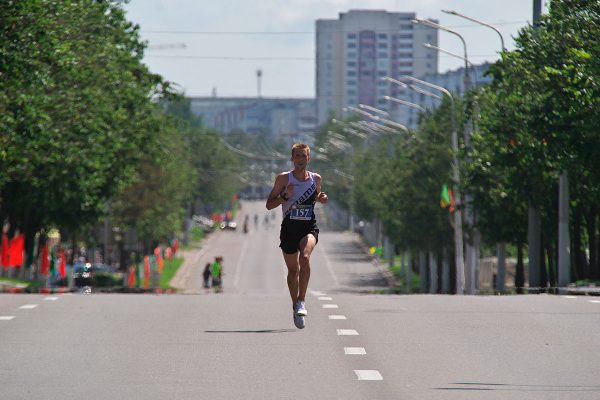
{"points": [[293, 231]]}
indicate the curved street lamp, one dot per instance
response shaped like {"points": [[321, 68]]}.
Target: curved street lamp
{"points": [[458, 231], [452, 12]]}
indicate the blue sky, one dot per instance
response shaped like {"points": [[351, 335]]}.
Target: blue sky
{"points": [[226, 41]]}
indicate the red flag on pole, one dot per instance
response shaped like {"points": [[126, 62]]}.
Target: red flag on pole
{"points": [[146, 272], [159, 259], [62, 269], [5, 259], [17, 245], [44, 262], [131, 280]]}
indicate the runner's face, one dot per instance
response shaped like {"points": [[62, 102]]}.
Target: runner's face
{"points": [[300, 158]]}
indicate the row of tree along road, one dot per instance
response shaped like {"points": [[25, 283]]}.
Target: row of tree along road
{"points": [[535, 122], [91, 139]]}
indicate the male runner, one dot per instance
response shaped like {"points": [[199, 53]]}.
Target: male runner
{"points": [[297, 191]]}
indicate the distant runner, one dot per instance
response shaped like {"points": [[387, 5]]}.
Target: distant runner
{"points": [[297, 191]]}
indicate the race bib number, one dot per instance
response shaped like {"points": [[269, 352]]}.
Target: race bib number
{"points": [[301, 212]]}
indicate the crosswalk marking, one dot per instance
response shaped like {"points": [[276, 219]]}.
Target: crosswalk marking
{"points": [[368, 375], [337, 317], [325, 298], [6, 317], [330, 306], [28, 306]]}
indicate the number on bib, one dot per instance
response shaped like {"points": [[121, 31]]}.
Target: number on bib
{"points": [[301, 212]]}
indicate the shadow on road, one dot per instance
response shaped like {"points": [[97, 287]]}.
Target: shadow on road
{"points": [[524, 388], [256, 331]]}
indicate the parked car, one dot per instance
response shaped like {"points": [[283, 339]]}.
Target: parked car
{"points": [[229, 225]]}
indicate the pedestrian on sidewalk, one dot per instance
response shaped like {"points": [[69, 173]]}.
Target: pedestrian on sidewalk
{"points": [[206, 275], [217, 274], [297, 191]]}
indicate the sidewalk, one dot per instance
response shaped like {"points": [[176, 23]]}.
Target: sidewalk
{"points": [[191, 266]]}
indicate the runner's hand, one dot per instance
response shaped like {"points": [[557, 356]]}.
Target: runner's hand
{"points": [[322, 197]]}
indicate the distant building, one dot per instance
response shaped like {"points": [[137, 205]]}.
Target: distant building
{"points": [[355, 51], [276, 117], [453, 80]]}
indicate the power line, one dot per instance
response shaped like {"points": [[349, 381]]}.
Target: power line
{"points": [[303, 32], [234, 58]]}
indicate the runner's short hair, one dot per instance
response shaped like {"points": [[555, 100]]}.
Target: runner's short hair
{"points": [[300, 146]]}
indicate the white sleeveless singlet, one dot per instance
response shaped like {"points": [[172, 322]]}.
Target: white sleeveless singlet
{"points": [[301, 203]]}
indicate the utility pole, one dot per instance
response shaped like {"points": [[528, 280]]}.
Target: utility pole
{"points": [[258, 78]]}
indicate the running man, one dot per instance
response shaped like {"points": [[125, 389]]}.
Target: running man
{"points": [[297, 191]]}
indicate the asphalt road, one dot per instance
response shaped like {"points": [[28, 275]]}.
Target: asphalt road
{"points": [[242, 344]]}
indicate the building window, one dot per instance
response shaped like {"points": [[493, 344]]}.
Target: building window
{"points": [[405, 46], [381, 54], [407, 36], [351, 64], [382, 36], [351, 36], [382, 73], [351, 83], [429, 37], [406, 27], [351, 92], [382, 45], [351, 45], [351, 73], [351, 54]]}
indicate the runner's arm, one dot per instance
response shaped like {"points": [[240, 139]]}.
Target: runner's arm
{"points": [[274, 200], [321, 196]]}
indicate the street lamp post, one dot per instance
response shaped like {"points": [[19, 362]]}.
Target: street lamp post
{"points": [[472, 247], [452, 12], [458, 232]]}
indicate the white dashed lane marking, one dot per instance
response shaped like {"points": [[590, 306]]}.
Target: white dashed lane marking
{"points": [[330, 306], [368, 375], [347, 332], [317, 293], [51, 298], [355, 351], [594, 301], [325, 298], [569, 297], [6, 317], [337, 317], [28, 306]]}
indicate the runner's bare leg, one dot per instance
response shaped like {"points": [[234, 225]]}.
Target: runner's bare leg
{"points": [[307, 245], [291, 261]]}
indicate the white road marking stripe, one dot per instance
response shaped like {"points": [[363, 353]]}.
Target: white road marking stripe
{"points": [[594, 301], [328, 264], [51, 298], [317, 293], [6, 318], [28, 306], [347, 332], [358, 351], [569, 297], [238, 265], [330, 306], [368, 375], [337, 317], [325, 298]]}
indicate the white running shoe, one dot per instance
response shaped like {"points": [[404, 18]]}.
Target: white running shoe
{"points": [[301, 309], [299, 321]]}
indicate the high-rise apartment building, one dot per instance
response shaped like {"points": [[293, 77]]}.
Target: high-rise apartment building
{"points": [[355, 51]]}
